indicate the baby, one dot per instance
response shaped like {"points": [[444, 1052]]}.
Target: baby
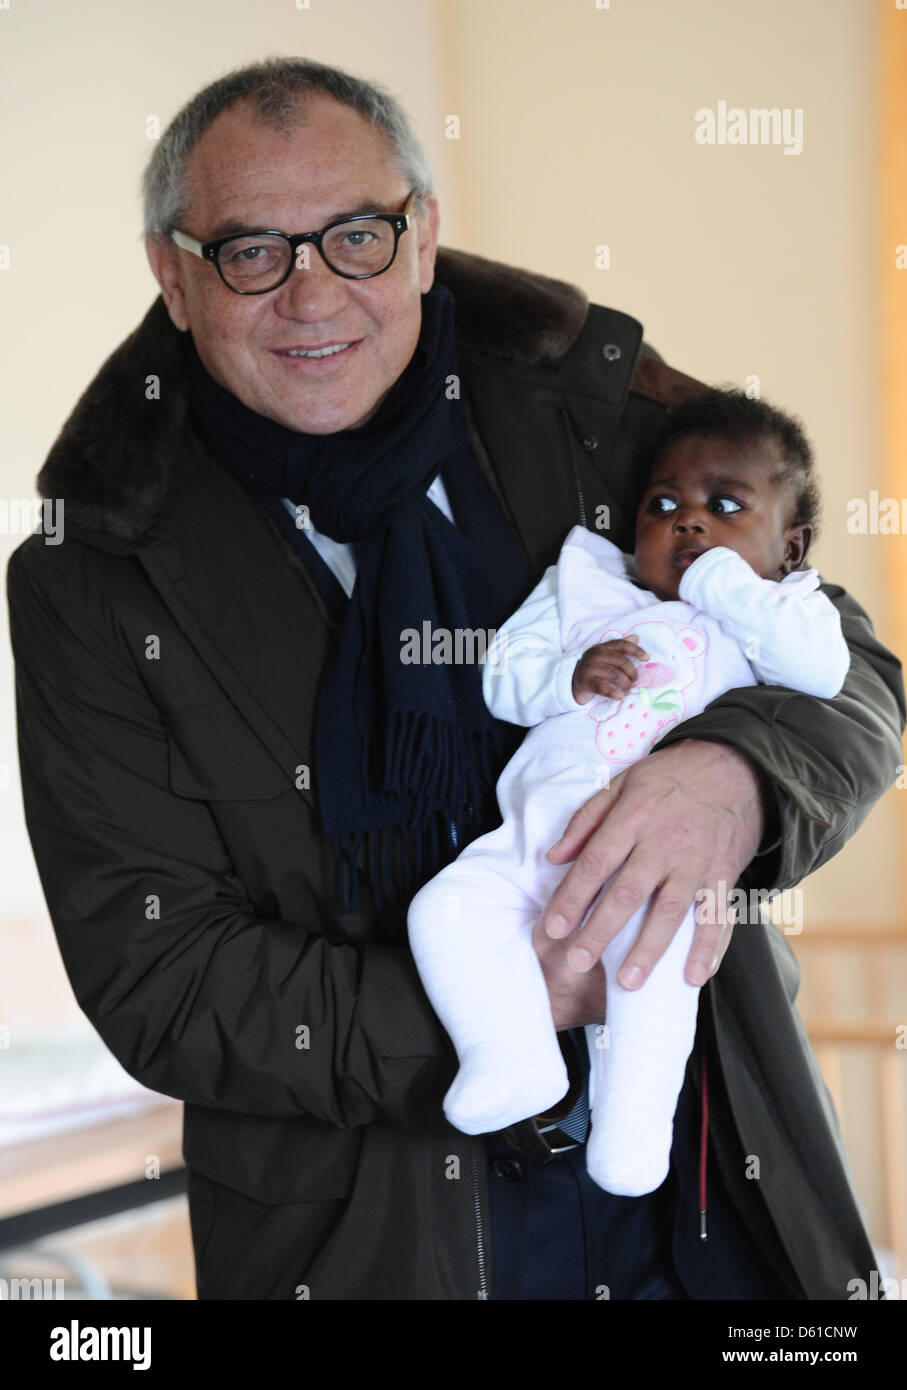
{"points": [[607, 653]]}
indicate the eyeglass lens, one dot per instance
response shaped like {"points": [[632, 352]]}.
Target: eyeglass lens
{"points": [[255, 262]]}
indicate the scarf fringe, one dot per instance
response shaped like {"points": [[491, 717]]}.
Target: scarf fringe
{"points": [[434, 759], [424, 846]]}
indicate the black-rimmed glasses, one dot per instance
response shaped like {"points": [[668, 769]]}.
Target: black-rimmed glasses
{"points": [[255, 262]]}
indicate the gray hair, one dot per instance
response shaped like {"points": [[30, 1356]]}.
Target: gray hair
{"points": [[278, 87]]}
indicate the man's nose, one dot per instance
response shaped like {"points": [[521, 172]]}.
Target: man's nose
{"points": [[311, 290]]}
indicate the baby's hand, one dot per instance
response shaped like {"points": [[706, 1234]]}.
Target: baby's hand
{"points": [[607, 669]]}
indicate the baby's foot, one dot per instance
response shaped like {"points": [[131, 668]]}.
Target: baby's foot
{"points": [[496, 1088], [628, 1166]]}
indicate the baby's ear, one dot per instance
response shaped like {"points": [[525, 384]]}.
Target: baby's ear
{"points": [[797, 540]]}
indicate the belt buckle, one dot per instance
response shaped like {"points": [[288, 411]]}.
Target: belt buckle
{"points": [[557, 1134]]}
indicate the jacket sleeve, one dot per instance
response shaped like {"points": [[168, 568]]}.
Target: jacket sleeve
{"points": [[197, 995], [790, 632], [824, 763]]}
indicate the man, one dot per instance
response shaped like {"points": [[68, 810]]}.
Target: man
{"points": [[234, 785]]}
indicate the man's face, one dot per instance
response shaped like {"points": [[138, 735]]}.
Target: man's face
{"points": [[705, 492], [243, 175]]}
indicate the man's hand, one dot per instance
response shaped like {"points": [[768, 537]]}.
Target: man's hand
{"points": [[576, 999], [684, 818]]}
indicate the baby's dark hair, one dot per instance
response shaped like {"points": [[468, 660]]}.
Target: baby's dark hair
{"points": [[731, 415]]}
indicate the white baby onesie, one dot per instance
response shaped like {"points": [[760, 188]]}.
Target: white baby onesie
{"points": [[470, 927]]}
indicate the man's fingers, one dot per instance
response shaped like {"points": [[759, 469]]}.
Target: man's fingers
{"points": [[724, 942], [631, 889], [598, 859], [712, 938], [580, 826], [669, 906], [575, 999]]}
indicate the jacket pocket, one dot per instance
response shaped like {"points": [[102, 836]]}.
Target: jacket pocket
{"points": [[271, 1159], [262, 1250], [215, 756]]}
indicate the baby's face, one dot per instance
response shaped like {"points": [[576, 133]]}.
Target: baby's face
{"points": [[705, 492]]}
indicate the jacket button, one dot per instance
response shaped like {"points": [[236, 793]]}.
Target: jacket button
{"points": [[590, 441], [509, 1169], [610, 352]]}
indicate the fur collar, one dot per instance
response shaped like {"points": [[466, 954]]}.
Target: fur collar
{"points": [[112, 461]]}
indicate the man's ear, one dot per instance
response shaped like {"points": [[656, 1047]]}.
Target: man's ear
{"points": [[427, 226], [164, 259], [797, 541]]}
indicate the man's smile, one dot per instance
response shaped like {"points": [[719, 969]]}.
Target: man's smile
{"points": [[318, 360], [315, 352]]}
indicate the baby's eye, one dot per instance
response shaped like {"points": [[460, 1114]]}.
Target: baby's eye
{"points": [[725, 505], [661, 504]]}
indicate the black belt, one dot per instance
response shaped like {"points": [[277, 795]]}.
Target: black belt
{"points": [[541, 1138], [557, 1141]]}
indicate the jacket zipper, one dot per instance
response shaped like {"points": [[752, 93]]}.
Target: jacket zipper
{"points": [[477, 1207], [474, 1172], [577, 481]]}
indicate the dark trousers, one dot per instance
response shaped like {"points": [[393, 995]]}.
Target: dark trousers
{"points": [[557, 1235]]}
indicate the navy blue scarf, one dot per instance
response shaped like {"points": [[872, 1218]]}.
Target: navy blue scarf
{"points": [[403, 750]]}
